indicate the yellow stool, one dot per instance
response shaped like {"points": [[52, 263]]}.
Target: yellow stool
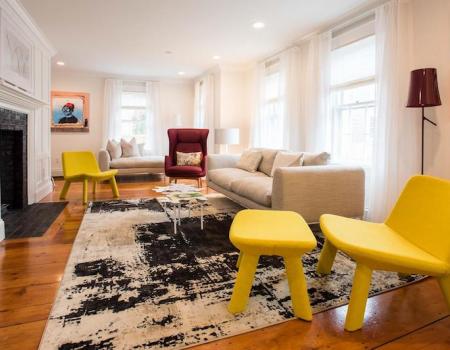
{"points": [[269, 232]]}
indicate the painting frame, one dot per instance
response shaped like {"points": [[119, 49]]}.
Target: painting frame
{"points": [[79, 102]]}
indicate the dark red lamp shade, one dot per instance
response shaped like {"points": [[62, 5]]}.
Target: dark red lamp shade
{"points": [[423, 88]]}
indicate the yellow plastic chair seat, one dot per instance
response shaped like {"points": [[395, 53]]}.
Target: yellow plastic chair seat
{"points": [[269, 232], [380, 247], [101, 175]]}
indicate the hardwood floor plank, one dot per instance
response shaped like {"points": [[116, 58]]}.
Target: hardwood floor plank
{"points": [[435, 336], [22, 337], [31, 268]]}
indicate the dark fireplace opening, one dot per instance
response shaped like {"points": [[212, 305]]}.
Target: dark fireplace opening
{"points": [[13, 159]]}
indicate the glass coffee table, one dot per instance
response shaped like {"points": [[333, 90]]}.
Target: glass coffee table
{"points": [[177, 201]]}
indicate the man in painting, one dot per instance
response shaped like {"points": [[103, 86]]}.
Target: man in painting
{"points": [[68, 118]]}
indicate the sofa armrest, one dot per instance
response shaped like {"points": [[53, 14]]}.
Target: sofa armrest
{"points": [[315, 190], [218, 161], [104, 159]]}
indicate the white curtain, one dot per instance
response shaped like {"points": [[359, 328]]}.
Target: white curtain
{"points": [[204, 108], [396, 139], [157, 140], [315, 57], [112, 105]]}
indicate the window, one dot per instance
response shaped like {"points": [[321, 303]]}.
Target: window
{"points": [[133, 112], [353, 101], [272, 104]]}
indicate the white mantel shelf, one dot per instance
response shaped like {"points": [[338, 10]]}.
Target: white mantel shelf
{"points": [[13, 95]]}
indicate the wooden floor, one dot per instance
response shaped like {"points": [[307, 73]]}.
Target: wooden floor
{"points": [[414, 317]]}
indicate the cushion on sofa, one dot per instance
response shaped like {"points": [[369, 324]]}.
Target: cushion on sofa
{"points": [[114, 149], [257, 189], [129, 148], [268, 157], [320, 158], [249, 160], [225, 176], [287, 159], [137, 162]]}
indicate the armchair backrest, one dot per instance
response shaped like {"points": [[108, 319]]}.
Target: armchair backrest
{"points": [[186, 141], [422, 215], [76, 163]]}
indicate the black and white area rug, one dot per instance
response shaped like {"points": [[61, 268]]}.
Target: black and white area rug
{"points": [[131, 283]]}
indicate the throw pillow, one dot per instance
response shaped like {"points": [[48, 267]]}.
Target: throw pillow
{"points": [[315, 158], [192, 159], [249, 160], [114, 149], [268, 157], [287, 159], [129, 149]]}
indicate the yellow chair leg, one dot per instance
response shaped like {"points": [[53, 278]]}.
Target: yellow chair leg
{"points": [[327, 257], [85, 191], [64, 190], [358, 298], [238, 263], [444, 282], [114, 188], [94, 186], [298, 288], [243, 284]]}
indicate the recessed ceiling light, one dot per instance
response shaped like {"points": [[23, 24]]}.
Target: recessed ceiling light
{"points": [[258, 25], [216, 57], [181, 73], [60, 63], [168, 52]]}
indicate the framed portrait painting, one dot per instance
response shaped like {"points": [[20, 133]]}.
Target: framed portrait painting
{"points": [[70, 111]]}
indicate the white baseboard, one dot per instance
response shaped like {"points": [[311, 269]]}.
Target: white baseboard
{"points": [[57, 172], [43, 191]]}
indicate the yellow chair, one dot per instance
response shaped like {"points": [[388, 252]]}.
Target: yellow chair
{"points": [[270, 232], [82, 166], [414, 239]]}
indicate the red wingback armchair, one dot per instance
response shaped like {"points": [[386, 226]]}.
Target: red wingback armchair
{"points": [[186, 141]]}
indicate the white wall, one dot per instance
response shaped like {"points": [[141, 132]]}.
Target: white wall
{"points": [[431, 25], [176, 102]]}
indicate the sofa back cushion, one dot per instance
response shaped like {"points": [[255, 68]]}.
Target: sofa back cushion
{"points": [[250, 160], [287, 159], [114, 149], [268, 157], [321, 158], [129, 149]]}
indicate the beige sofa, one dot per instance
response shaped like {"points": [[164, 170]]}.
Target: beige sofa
{"points": [[131, 165], [310, 190]]}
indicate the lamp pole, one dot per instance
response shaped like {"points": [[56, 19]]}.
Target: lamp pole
{"points": [[423, 133]]}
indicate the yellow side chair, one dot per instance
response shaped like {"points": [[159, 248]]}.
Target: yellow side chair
{"points": [[414, 239], [82, 167]]}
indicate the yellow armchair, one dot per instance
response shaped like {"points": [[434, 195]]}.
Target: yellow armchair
{"points": [[414, 239], [82, 167]]}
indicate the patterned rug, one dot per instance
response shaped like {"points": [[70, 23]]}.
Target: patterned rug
{"points": [[131, 283]]}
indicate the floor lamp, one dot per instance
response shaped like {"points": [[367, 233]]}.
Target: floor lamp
{"points": [[226, 137], [424, 92]]}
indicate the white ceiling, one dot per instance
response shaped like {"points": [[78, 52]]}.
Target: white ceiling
{"points": [[130, 37]]}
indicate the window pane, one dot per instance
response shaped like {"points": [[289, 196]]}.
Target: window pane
{"points": [[133, 124], [354, 61], [133, 99], [272, 86], [359, 94]]}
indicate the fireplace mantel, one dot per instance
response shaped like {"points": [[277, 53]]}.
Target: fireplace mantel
{"points": [[34, 102]]}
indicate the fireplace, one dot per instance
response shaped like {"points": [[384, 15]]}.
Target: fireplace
{"points": [[13, 159]]}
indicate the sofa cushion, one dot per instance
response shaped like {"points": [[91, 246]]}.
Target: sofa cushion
{"points": [[268, 157], [287, 159], [257, 189], [129, 149], [249, 160], [321, 158], [225, 176], [137, 162], [114, 149]]}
